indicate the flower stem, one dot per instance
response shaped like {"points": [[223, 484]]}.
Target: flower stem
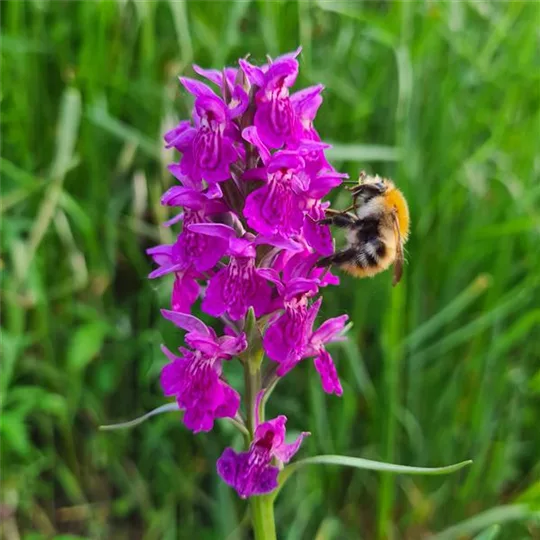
{"points": [[253, 385], [262, 517]]}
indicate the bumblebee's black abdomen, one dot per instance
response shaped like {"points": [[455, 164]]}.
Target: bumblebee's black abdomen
{"points": [[367, 258], [367, 243], [369, 254], [367, 230]]}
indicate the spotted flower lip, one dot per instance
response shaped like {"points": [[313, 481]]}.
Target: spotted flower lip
{"points": [[194, 378], [252, 472]]}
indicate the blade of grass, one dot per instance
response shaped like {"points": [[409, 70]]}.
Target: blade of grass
{"points": [[66, 136]]}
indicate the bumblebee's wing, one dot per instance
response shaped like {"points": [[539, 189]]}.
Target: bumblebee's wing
{"points": [[398, 263]]}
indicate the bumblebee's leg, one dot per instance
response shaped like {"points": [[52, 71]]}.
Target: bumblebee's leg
{"points": [[339, 257], [339, 220]]}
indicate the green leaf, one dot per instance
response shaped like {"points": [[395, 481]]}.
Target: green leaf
{"points": [[67, 131], [168, 407], [85, 345], [361, 463]]}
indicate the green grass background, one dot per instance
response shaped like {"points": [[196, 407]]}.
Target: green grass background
{"points": [[441, 96]]}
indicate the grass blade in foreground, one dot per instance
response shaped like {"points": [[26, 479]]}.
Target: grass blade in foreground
{"points": [[361, 463]]}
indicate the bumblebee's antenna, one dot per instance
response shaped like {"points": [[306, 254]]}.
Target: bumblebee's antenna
{"points": [[361, 177]]}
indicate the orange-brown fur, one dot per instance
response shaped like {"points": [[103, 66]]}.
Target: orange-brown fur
{"points": [[394, 200]]}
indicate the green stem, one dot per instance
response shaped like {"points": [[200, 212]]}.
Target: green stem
{"points": [[262, 506], [262, 517], [252, 380]]}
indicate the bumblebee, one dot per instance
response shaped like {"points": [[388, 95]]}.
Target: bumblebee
{"points": [[377, 226]]}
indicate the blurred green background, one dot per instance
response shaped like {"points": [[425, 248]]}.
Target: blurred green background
{"points": [[442, 97]]}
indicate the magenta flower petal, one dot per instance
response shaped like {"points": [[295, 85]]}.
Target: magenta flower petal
{"points": [[187, 322], [327, 371], [274, 116], [197, 88], [281, 73], [214, 302], [182, 196], [325, 181], [300, 287], [227, 466], [246, 477], [318, 236], [212, 75], [292, 54], [176, 169], [253, 73], [195, 377], [164, 256], [286, 451], [214, 229], [272, 431], [239, 102], [251, 135], [185, 292], [230, 346], [329, 330], [175, 219], [181, 136], [306, 103]]}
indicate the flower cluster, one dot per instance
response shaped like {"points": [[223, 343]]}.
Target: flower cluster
{"points": [[251, 179]]}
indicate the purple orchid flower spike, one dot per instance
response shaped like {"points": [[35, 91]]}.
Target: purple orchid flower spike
{"points": [[250, 189], [194, 378], [238, 286], [253, 472]]}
